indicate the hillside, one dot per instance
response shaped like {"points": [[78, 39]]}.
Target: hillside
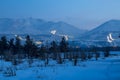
{"points": [[37, 26], [101, 32]]}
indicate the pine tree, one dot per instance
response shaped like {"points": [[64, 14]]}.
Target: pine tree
{"points": [[11, 46], [18, 45], [27, 45], [42, 52], [54, 49], [75, 60], [30, 48], [97, 55], [63, 45], [89, 55], [106, 53], [60, 60], [83, 56], [3, 44]]}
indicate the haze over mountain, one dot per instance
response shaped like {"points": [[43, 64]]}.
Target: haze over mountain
{"points": [[37, 26], [101, 32]]}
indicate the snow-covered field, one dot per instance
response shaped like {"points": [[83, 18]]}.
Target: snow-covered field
{"points": [[103, 69]]}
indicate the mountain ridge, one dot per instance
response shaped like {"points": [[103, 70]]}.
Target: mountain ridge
{"points": [[36, 26], [100, 32]]}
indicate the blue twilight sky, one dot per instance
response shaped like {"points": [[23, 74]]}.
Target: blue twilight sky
{"points": [[85, 14]]}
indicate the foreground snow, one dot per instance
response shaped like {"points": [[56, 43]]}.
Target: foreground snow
{"points": [[103, 69]]}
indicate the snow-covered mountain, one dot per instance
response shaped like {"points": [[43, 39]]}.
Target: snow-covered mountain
{"points": [[37, 26], [100, 33]]}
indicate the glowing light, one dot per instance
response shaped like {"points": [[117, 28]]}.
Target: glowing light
{"points": [[53, 32]]}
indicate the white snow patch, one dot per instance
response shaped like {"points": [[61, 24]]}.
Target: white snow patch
{"points": [[53, 32], [103, 69]]}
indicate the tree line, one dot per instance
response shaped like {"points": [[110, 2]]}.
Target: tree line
{"points": [[13, 50]]}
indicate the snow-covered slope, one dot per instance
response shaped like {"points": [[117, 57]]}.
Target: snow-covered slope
{"points": [[101, 32], [103, 69], [36, 26]]}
